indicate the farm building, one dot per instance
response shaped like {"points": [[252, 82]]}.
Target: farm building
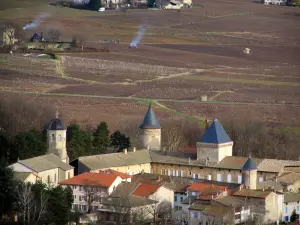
{"points": [[274, 2]]}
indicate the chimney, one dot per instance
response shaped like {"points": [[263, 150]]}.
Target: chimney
{"points": [[125, 150], [206, 124], [134, 149]]}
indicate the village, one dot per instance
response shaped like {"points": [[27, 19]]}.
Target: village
{"points": [[153, 186]]}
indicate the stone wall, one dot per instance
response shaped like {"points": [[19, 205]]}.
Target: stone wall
{"points": [[151, 138]]}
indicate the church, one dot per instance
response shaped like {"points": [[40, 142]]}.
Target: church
{"points": [[213, 160], [52, 167]]}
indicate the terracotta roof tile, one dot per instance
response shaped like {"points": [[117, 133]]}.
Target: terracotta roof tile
{"points": [[120, 174], [91, 179], [202, 187], [145, 190]]}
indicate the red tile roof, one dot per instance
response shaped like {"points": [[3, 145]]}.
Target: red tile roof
{"points": [[145, 190], [91, 179], [202, 187], [190, 149], [120, 174]]}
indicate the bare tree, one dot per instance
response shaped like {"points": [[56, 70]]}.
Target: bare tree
{"points": [[54, 35], [8, 32], [31, 207], [174, 137]]}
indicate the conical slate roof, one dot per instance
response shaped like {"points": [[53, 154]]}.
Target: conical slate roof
{"points": [[56, 124], [249, 165], [150, 121], [215, 134]]}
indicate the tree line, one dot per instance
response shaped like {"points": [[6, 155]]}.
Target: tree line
{"points": [[80, 142]]}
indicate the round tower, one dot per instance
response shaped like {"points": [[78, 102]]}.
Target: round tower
{"points": [[150, 131], [249, 174], [56, 136]]}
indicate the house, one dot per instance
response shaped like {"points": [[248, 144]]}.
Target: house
{"points": [[240, 210], [48, 167], [291, 202], [89, 188], [127, 208], [210, 214], [52, 167], [174, 4], [26, 177], [265, 206]]}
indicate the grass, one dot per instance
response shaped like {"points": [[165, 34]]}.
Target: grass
{"points": [[242, 81], [3, 60], [291, 130]]}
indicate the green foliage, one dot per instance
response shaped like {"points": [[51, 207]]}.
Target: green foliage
{"points": [[29, 144], [294, 216], [119, 140], [59, 205], [79, 142], [101, 138], [95, 5], [7, 188]]}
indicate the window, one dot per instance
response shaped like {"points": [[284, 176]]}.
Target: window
{"points": [[80, 197], [79, 188], [196, 176], [59, 137], [261, 179], [163, 172], [194, 193], [209, 177], [69, 175], [298, 208], [178, 208], [48, 179], [286, 210], [195, 215], [181, 198], [175, 198], [181, 173], [229, 178], [53, 137], [74, 196], [177, 173], [55, 177], [219, 177], [174, 173], [169, 172], [190, 173], [239, 179]]}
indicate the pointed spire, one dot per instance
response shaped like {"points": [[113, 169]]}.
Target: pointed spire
{"points": [[215, 134], [150, 121], [249, 165]]}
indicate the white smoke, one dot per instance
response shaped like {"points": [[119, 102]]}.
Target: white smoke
{"points": [[36, 22], [139, 37]]}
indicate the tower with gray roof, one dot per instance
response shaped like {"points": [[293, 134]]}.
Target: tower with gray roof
{"points": [[249, 174], [215, 144], [150, 131], [56, 137]]}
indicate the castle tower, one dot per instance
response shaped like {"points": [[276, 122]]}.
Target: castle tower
{"points": [[249, 174], [150, 131], [215, 143], [56, 137]]}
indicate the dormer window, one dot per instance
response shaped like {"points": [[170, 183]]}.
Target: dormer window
{"points": [[59, 137], [53, 137]]}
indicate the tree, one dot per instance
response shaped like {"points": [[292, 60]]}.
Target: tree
{"points": [[54, 35], [59, 205], [294, 216], [101, 138], [7, 188], [174, 137], [119, 140], [8, 30], [79, 142], [95, 5], [30, 144]]}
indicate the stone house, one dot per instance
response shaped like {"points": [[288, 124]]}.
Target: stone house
{"points": [[291, 202], [89, 188]]}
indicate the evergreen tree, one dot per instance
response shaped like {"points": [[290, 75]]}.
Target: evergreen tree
{"points": [[79, 142], [7, 188], [95, 4], [29, 144], [294, 216], [119, 140], [101, 138]]}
